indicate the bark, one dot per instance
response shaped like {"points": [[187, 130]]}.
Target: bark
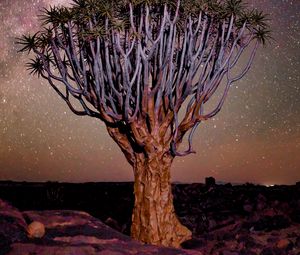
{"points": [[154, 220]]}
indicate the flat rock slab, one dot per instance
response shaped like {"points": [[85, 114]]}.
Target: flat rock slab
{"points": [[73, 233]]}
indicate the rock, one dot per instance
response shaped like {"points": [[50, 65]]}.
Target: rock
{"points": [[227, 236], [75, 232], [283, 244], [112, 223], [193, 243], [12, 225], [292, 235], [260, 206], [295, 216], [297, 242], [247, 252], [269, 223], [271, 251], [267, 251], [272, 240], [212, 224], [248, 208], [269, 212], [220, 244], [261, 197], [248, 241], [229, 253], [261, 202], [233, 218], [36, 229], [210, 181]]}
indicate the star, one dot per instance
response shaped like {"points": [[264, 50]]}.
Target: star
{"points": [[255, 137]]}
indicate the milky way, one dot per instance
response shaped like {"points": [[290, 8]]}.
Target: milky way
{"points": [[255, 138]]}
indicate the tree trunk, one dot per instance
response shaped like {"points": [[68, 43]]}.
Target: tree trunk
{"points": [[154, 220]]}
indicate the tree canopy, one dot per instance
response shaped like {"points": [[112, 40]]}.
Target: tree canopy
{"points": [[132, 62]]}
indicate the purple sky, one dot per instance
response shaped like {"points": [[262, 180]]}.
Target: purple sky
{"points": [[255, 138]]}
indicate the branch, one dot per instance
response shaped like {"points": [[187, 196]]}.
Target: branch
{"points": [[122, 140]]}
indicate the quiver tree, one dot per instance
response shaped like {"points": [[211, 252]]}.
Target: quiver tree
{"points": [[133, 64]]}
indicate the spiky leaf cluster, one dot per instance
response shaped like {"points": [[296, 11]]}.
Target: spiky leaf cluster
{"points": [[129, 60], [82, 12]]}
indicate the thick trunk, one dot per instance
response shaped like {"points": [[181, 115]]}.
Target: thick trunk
{"points": [[154, 220]]}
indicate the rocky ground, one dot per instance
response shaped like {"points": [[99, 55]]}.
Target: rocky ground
{"points": [[68, 233], [225, 220], [247, 219]]}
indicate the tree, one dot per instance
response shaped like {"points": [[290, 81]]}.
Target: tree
{"points": [[133, 64]]}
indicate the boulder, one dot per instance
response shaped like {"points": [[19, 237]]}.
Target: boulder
{"points": [[12, 226], [64, 232], [210, 181], [248, 208], [229, 253], [283, 244], [268, 223], [112, 223], [36, 230]]}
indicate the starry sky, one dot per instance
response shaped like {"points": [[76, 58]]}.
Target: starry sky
{"points": [[255, 138]]}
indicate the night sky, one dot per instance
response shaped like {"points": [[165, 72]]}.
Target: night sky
{"points": [[255, 138]]}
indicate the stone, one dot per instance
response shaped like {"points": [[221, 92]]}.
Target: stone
{"points": [[297, 242], [210, 181], [229, 253], [261, 202], [193, 243], [283, 243], [248, 208], [212, 224], [267, 251], [36, 229], [295, 216], [12, 225], [216, 215], [271, 251], [272, 239], [74, 232], [269, 212], [268, 223], [112, 223]]}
